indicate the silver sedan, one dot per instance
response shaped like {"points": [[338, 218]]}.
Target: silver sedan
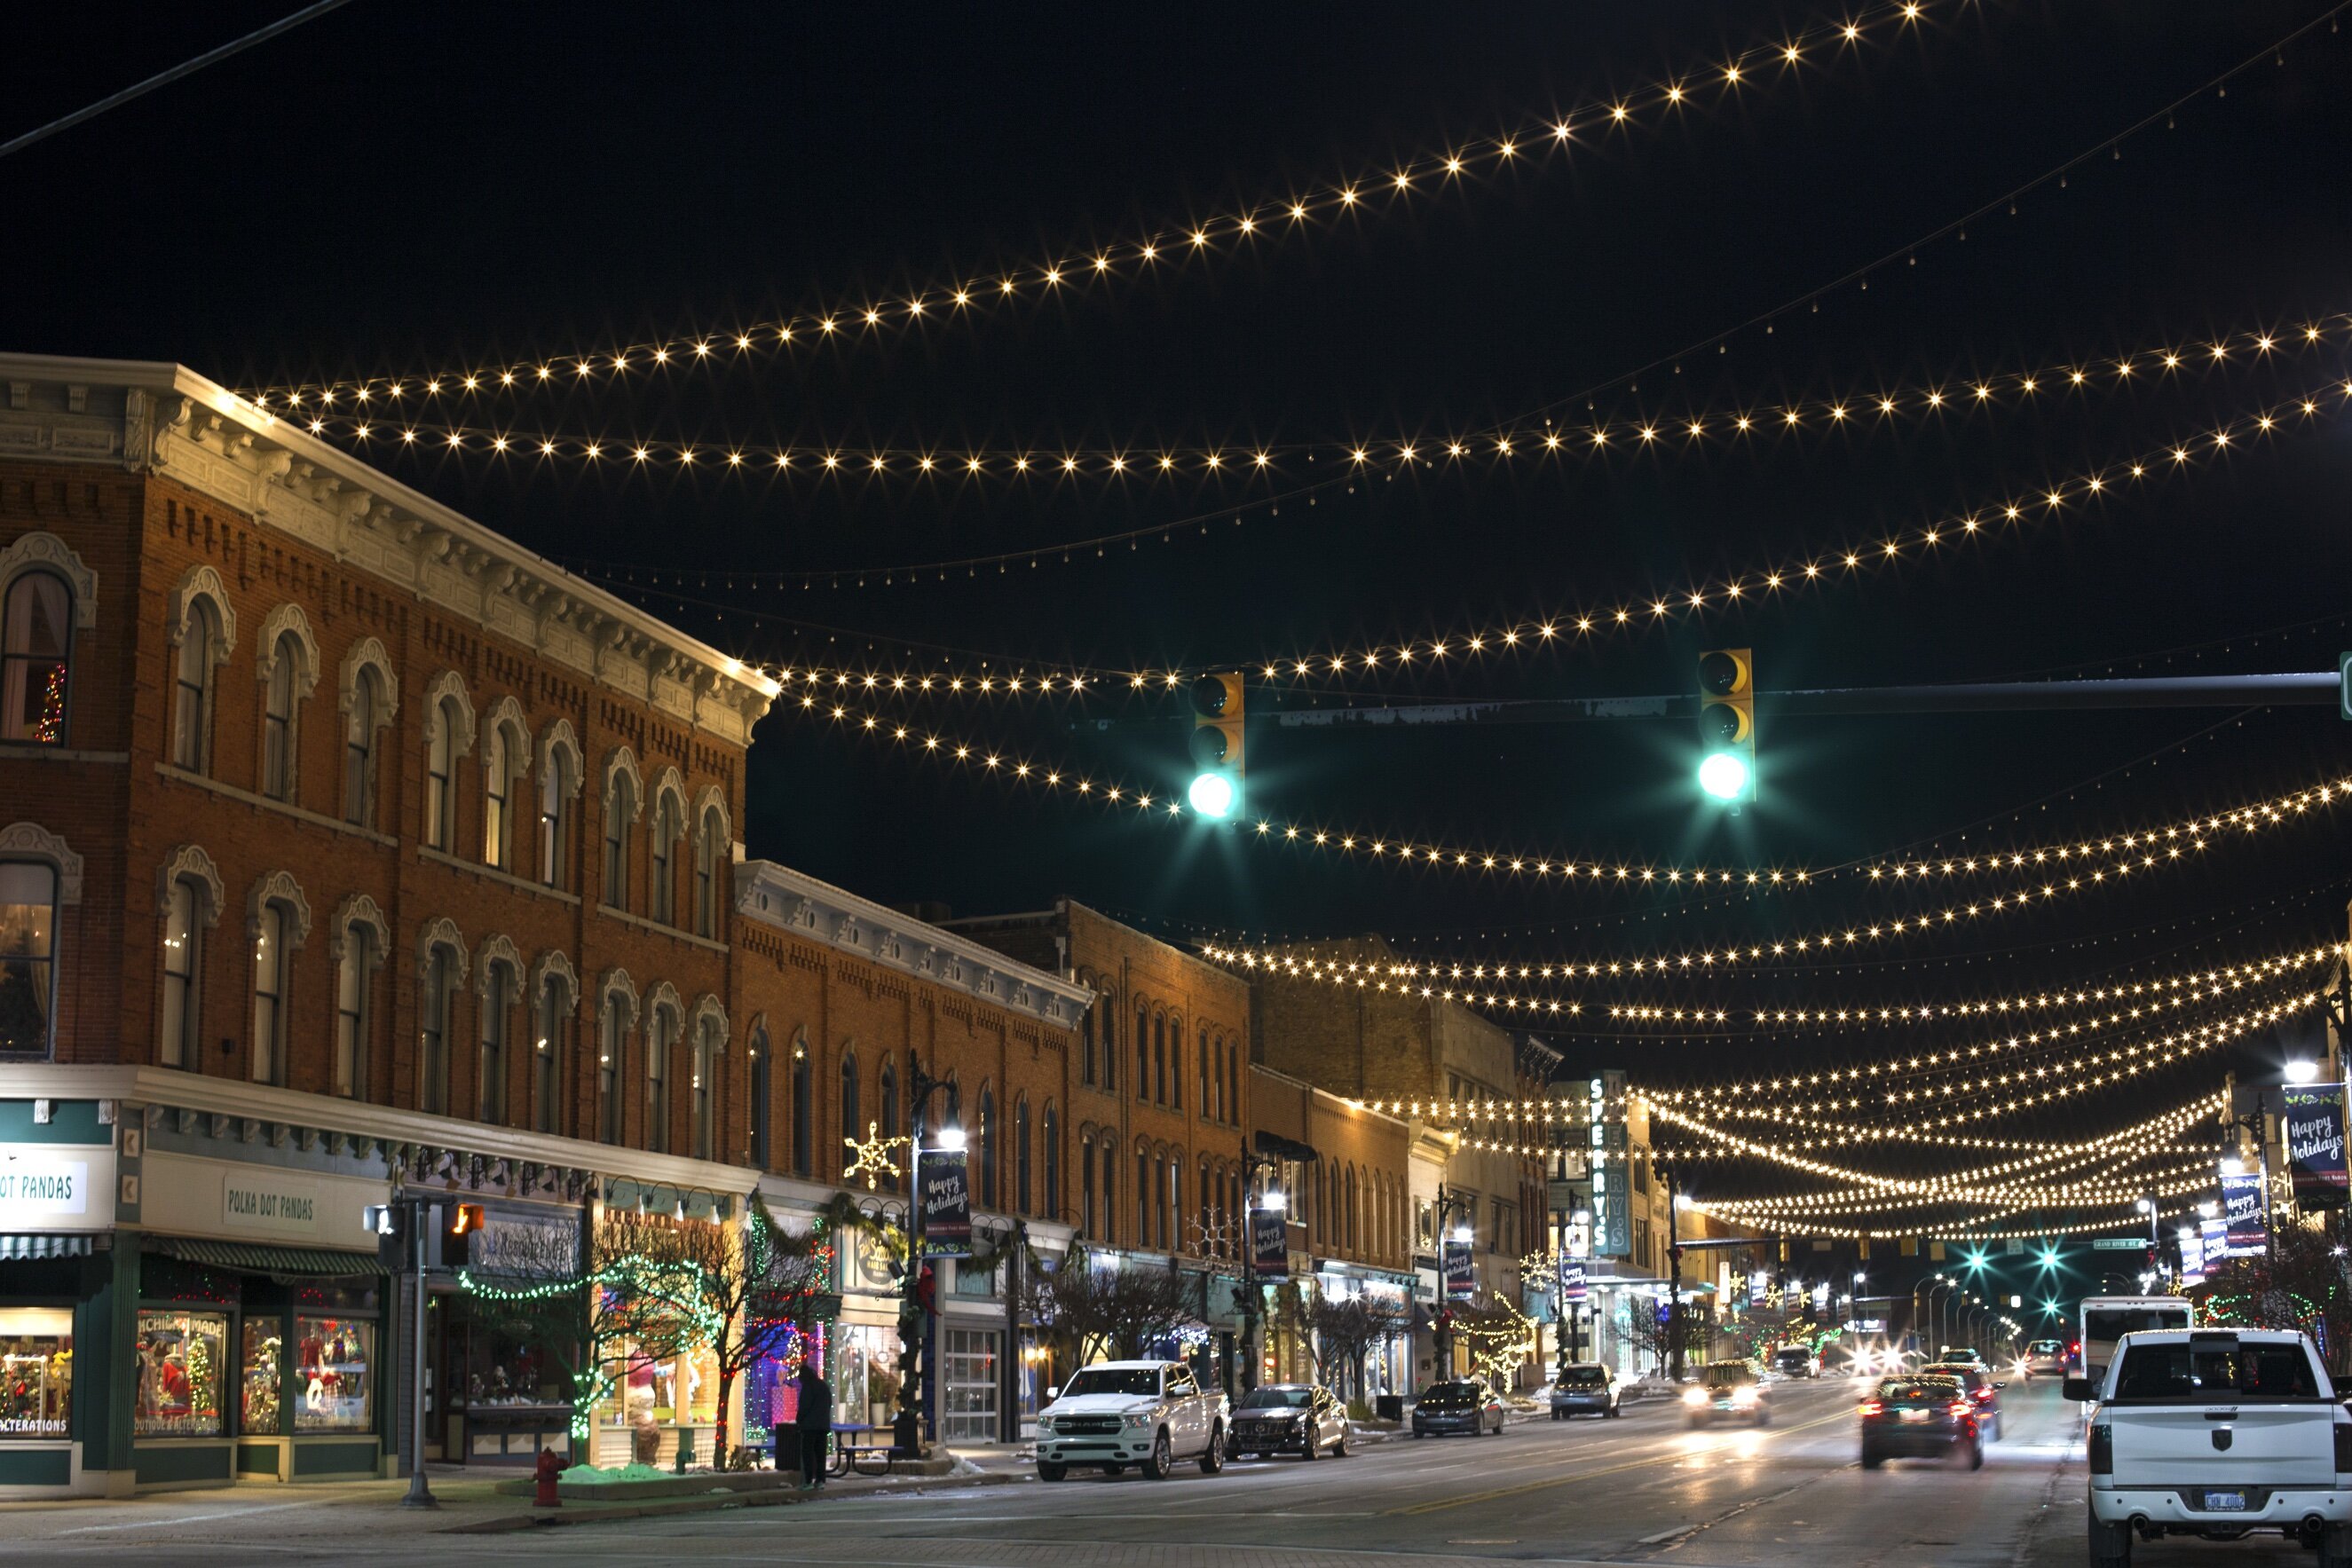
{"points": [[1288, 1419]]}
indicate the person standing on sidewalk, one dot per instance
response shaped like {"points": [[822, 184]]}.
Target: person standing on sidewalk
{"points": [[814, 1418]]}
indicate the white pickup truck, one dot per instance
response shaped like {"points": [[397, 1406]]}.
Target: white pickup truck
{"points": [[2217, 1433], [1147, 1414]]}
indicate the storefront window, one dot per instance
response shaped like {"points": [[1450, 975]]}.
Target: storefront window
{"points": [[261, 1363], [180, 1371], [968, 1414], [863, 1371], [334, 1372], [35, 1373]]}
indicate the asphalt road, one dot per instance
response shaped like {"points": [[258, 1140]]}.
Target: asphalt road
{"points": [[1638, 1490]]}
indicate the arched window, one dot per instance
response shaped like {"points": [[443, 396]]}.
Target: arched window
{"points": [[613, 1021], [360, 731], [558, 782], [500, 984], [501, 759], [1109, 1211], [1142, 1048], [661, 1040], [192, 700], [355, 972], [441, 776], [886, 1091], [709, 1055], [273, 970], [1171, 1204], [552, 1013], [1087, 1042], [36, 619], [281, 698], [1233, 1082], [28, 970], [713, 851], [1354, 1230], [1158, 1080], [987, 1147], [763, 1092], [669, 826], [1021, 1193], [1143, 1187], [188, 909], [1085, 1187], [437, 1000], [853, 1131], [1051, 1131], [620, 823], [1176, 1063], [1109, 1043], [1207, 1105], [803, 1113]]}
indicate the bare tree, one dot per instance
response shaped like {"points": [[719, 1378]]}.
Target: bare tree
{"points": [[1344, 1333], [1092, 1312]]}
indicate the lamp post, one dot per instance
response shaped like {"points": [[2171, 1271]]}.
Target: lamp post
{"points": [[1675, 1203], [1248, 1296], [1447, 1201], [914, 1316]]}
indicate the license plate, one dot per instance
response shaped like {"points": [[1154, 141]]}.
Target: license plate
{"points": [[2225, 1501], [1917, 1415]]}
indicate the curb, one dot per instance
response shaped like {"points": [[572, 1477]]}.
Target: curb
{"points": [[655, 1508]]}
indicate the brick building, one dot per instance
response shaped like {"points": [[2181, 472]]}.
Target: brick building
{"points": [[347, 848]]}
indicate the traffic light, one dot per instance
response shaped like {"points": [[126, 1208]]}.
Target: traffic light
{"points": [[1726, 724], [389, 1222], [1216, 791]]}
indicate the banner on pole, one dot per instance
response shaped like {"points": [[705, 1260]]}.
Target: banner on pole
{"points": [[1270, 1242], [1572, 1282], [2314, 1144], [1459, 1279], [941, 1182], [2192, 1256], [2242, 1212]]}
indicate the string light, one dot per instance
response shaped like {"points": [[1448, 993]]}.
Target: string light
{"points": [[1225, 235]]}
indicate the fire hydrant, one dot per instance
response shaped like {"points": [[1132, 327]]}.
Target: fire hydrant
{"points": [[545, 1472]]}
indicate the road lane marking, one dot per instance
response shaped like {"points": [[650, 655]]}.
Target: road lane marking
{"points": [[1440, 1505], [193, 1517]]}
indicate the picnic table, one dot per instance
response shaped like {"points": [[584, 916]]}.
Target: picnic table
{"points": [[853, 1445]]}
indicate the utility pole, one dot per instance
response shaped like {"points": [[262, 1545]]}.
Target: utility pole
{"points": [[420, 1492], [1674, 1279]]}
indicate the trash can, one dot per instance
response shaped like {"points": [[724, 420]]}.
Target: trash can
{"points": [[1389, 1406]]}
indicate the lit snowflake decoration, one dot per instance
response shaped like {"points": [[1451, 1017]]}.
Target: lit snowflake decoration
{"points": [[872, 1159], [1214, 1234]]}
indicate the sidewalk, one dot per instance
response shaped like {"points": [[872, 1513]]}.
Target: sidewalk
{"points": [[469, 1504]]}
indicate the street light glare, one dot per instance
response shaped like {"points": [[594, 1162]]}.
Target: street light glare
{"points": [[950, 1138], [2301, 1070], [1724, 776], [1212, 795]]}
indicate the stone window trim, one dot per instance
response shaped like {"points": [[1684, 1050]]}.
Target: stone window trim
{"points": [[556, 965], [32, 842], [189, 862], [670, 782], [713, 798], [615, 983], [368, 653], [621, 760], [358, 909], [442, 932], [507, 714], [278, 887], [450, 685], [706, 1005], [38, 551], [496, 949], [202, 582], [559, 748], [288, 618], [663, 996]]}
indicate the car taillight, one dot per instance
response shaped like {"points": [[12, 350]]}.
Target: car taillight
{"points": [[2344, 1446], [1960, 1407], [1981, 1394], [2103, 1450], [1874, 1407]]}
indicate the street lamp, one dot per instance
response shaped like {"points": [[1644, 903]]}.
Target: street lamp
{"points": [[2302, 1071]]}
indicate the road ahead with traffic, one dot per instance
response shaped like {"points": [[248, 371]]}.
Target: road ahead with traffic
{"points": [[1642, 1489]]}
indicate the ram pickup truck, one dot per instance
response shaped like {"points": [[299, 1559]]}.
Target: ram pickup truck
{"points": [[2219, 1433], [1147, 1414]]}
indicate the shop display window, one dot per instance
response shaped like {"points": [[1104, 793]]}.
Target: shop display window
{"points": [[674, 1390], [180, 1372], [863, 1371], [262, 1364], [334, 1374], [35, 1373]]}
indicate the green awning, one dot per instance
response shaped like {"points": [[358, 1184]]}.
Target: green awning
{"points": [[268, 1257], [19, 1249]]}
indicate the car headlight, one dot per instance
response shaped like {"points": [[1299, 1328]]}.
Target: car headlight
{"points": [[1743, 1395], [1136, 1418], [1693, 1395]]}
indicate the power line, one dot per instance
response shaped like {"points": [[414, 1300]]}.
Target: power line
{"points": [[186, 69]]}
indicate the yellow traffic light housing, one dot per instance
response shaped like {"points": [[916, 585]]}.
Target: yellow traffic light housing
{"points": [[1216, 790], [1726, 724]]}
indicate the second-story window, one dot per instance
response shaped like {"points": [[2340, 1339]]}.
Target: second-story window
{"points": [[669, 827], [620, 822], [498, 785], [711, 856], [558, 779], [709, 1052], [498, 988], [612, 1051], [29, 935], [361, 730], [762, 1094], [661, 1040], [435, 1001], [552, 1020], [354, 1008], [272, 967], [1020, 1157], [803, 1113], [987, 1147], [179, 1037]]}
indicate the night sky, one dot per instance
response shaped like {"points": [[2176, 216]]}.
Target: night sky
{"points": [[421, 188]]}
